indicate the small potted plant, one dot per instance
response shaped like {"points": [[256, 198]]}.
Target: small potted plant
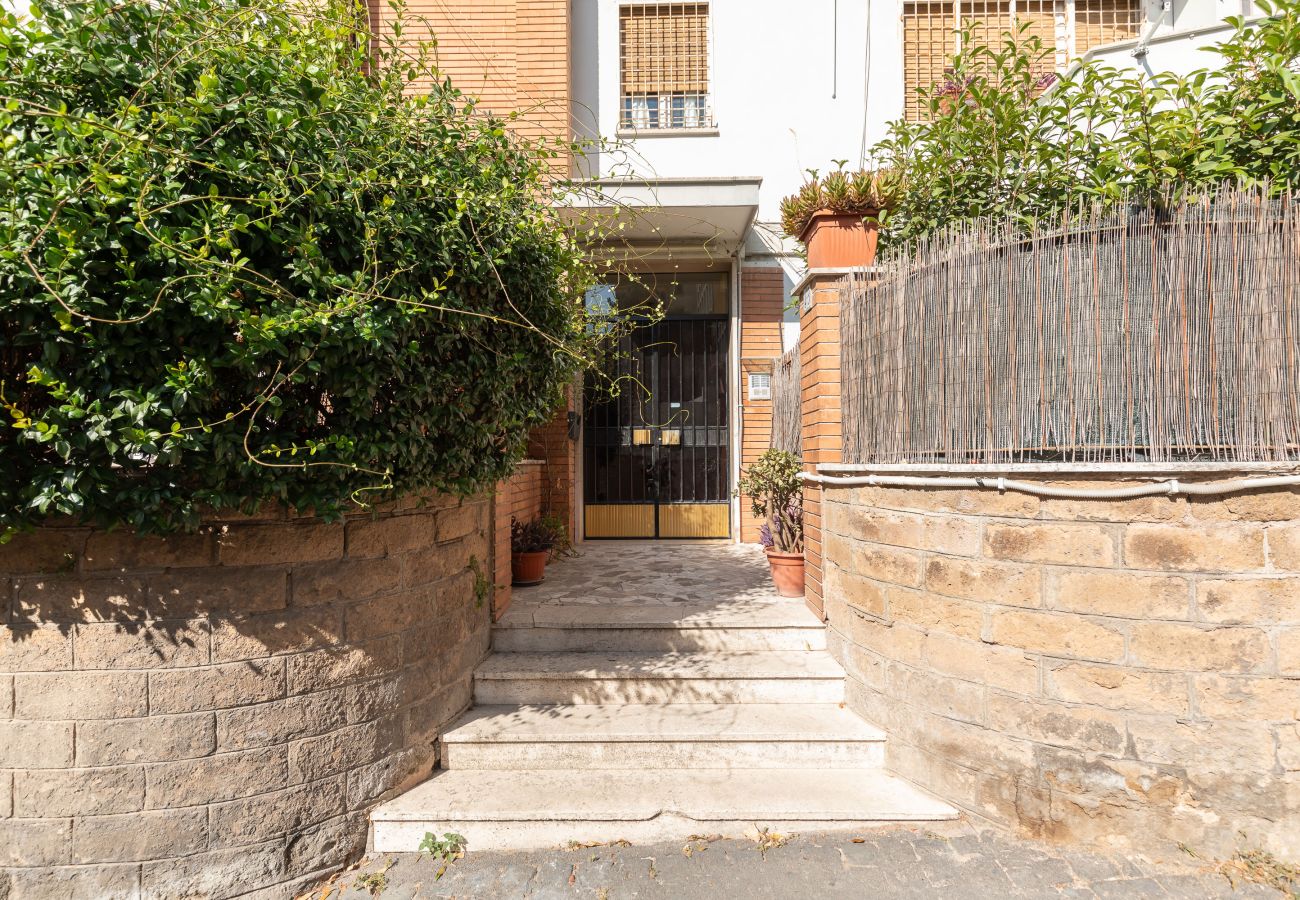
{"points": [[776, 495], [530, 548], [837, 218]]}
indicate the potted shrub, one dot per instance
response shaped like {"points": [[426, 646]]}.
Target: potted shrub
{"points": [[776, 495], [530, 548], [837, 218]]}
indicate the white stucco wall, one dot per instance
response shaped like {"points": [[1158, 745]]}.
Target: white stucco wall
{"points": [[797, 85], [1178, 43], [788, 88]]}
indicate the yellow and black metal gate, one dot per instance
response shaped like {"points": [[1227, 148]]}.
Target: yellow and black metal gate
{"points": [[657, 461]]}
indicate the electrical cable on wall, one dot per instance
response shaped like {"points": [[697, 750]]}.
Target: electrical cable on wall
{"points": [[866, 88], [835, 48]]}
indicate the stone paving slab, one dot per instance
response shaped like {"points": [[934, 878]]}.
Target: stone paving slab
{"points": [[896, 863], [689, 574]]}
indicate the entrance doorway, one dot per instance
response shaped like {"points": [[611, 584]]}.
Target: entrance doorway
{"points": [[657, 447]]}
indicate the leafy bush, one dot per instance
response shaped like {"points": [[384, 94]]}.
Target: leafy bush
{"points": [[1001, 140], [249, 254], [776, 496]]}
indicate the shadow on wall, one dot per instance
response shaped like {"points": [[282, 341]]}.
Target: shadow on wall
{"points": [[585, 75], [225, 707]]}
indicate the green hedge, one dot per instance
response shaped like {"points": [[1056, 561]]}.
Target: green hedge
{"points": [[247, 256], [999, 139]]}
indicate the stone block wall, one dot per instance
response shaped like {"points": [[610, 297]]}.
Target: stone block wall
{"points": [[215, 714], [1109, 672]]}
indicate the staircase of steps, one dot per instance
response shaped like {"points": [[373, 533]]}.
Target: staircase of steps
{"points": [[646, 720]]}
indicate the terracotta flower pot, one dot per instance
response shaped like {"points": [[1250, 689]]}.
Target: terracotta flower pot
{"points": [[840, 240], [787, 572], [528, 568]]}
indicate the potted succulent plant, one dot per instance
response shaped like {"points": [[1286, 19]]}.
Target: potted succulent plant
{"points": [[530, 548], [776, 496], [837, 218]]}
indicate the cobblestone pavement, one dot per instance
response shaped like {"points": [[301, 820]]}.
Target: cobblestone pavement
{"points": [[952, 860]]}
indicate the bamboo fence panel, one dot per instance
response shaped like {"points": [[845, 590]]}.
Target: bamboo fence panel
{"points": [[786, 400], [1131, 333]]}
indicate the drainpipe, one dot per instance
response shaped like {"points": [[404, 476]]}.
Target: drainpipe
{"points": [[735, 384]]}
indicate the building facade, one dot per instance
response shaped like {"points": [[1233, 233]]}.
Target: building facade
{"points": [[695, 120]]}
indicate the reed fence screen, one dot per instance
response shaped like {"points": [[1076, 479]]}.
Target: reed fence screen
{"points": [[1128, 334], [786, 398]]}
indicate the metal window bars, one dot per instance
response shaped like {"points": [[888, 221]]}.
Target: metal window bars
{"points": [[931, 33], [664, 66]]}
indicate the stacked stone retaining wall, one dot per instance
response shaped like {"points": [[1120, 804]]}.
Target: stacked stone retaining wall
{"points": [[1114, 672], [215, 714]]}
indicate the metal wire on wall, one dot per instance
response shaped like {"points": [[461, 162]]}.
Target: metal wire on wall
{"points": [[1124, 334]]}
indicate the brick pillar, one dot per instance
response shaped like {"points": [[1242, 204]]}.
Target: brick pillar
{"points": [[501, 577], [821, 432]]}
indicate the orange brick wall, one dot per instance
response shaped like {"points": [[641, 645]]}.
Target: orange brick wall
{"points": [[512, 55], [821, 434], [519, 497], [763, 299], [542, 39], [551, 444]]}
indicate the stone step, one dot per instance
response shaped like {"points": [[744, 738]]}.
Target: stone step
{"points": [[777, 676], [659, 627], [540, 809], [686, 736]]}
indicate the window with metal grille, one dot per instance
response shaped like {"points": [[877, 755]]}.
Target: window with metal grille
{"points": [[664, 65], [1067, 28], [1099, 22]]}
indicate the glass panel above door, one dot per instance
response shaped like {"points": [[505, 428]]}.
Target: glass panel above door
{"points": [[677, 294]]}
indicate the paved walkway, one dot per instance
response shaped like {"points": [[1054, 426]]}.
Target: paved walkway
{"points": [[945, 860], [621, 572]]}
